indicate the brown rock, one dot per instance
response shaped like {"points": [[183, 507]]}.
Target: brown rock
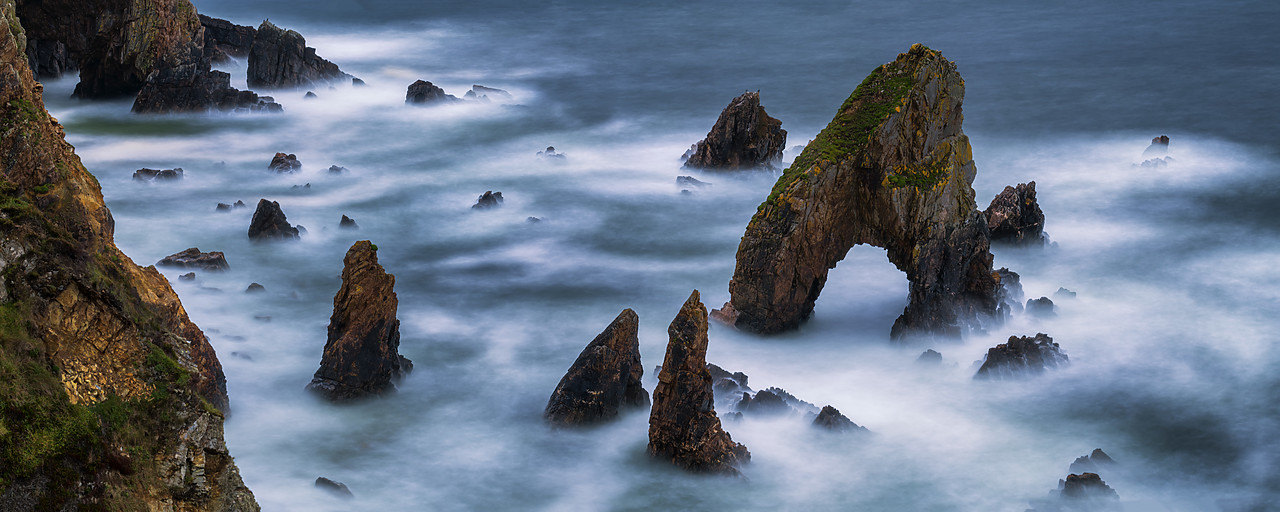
{"points": [[604, 379], [193, 258], [282, 162], [1014, 216], [269, 223], [743, 137], [893, 169], [683, 427], [361, 357]]}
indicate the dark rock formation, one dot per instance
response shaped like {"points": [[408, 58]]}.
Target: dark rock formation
{"points": [[743, 137], [310, 95], [1094, 462], [338, 489], [280, 59], [1041, 308], [1159, 147], [683, 427], [532, 220], [334, 169], [1021, 356], [423, 92], [893, 169], [489, 199], [1009, 294], [98, 352], [282, 162], [348, 223], [49, 59], [1064, 293], [604, 379], [193, 258], [239, 204], [690, 182], [831, 419], [361, 356], [255, 288], [222, 207], [550, 153], [226, 39], [487, 94], [195, 88], [1088, 486], [1085, 492], [764, 403], [727, 384], [157, 174], [269, 223], [930, 357], [1014, 216], [189, 276]]}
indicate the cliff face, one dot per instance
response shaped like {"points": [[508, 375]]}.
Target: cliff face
{"points": [[109, 394], [893, 169]]}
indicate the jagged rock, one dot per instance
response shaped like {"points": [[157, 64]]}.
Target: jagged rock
{"points": [[1094, 462], [195, 88], [222, 207], [282, 162], [423, 92], [1084, 492], [1021, 356], [1159, 147], [240, 204], [930, 357], [49, 59], [683, 427], [255, 288], [1088, 486], [356, 82], [301, 187], [338, 489], [764, 403], [226, 38], [1064, 293], [743, 137], [550, 152], [193, 258], [791, 400], [487, 94], [727, 384], [893, 169], [604, 379], [1041, 307], [690, 181], [1009, 294], [489, 199], [1014, 216], [281, 59], [157, 174], [361, 356], [348, 223], [189, 276], [334, 169], [269, 223], [831, 419]]}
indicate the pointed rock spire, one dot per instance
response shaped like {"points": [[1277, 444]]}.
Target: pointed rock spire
{"points": [[604, 379]]}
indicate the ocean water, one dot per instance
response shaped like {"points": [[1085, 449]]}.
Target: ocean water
{"points": [[1172, 337]]}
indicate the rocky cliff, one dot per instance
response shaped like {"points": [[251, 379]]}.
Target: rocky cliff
{"points": [[743, 137], [893, 169], [604, 379], [361, 356], [110, 397], [683, 426]]}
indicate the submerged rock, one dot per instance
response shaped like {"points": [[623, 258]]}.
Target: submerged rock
{"points": [[1022, 356], [189, 276], [743, 137], [423, 92], [604, 379], [222, 207], [1014, 216], [157, 174], [282, 162], [831, 419], [1064, 293], [489, 199], [1041, 307], [550, 153], [361, 357], [193, 258], [683, 427], [280, 58], [764, 403], [930, 357], [255, 288], [269, 223], [893, 169]]}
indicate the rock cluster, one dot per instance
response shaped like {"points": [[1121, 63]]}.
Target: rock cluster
{"points": [[487, 94], [423, 92], [743, 137], [157, 174], [269, 223], [361, 357], [1022, 356], [604, 379], [683, 426], [489, 199], [195, 88], [280, 59], [893, 169], [282, 162], [1014, 216], [193, 258]]}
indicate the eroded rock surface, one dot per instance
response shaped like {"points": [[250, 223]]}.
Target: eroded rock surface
{"points": [[193, 258], [362, 355], [1015, 217], [280, 58], [893, 169], [743, 137], [683, 426], [269, 223], [604, 379], [1022, 356], [226, 38], [285, 163]]}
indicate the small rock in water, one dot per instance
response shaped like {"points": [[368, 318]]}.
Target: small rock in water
{"points": [[310, 96], [489, 199], [487, 94], [270, 223], [690, 181], [239, 204], [550, 152], [1041, 307], [686, 192], [423, 92], [604, 380], [1022, 356], [157, 174], [532, 220], [1159, 147], [356, 82], [334, 169], [764, 403], [1064, 293], [189, 276], [262, 318], [336, 488], [831, 419], [304, 187], [743, 137], [255, 288], [348, 223], [222, 207], [193, 258], [930, 357], [282, 162]]}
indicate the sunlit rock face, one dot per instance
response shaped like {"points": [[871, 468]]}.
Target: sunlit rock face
{"points": [[893, 169]]}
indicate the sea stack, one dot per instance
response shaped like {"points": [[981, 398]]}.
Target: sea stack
{"points": [[1022, 356], [683, 426], [269, 223], [361, 356], [893, 169], [1015, 217], [604, 379], [744, 137], [280, 58]]}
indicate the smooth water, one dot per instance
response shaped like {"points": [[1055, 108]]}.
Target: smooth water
{"points": [[1172, 336]]}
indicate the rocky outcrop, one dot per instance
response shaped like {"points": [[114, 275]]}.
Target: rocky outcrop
{"points": [[683, 427], [1009, 294], [196, 88], [930, 357], [223, 39], [269, 223], [193, 258], [489, 199], [100, 361], [1159, 147], [334, 488], [280, 59], [1094, 462], [744, 137], [423, 92], [348, 223], [1014, 216], [831, 419], [285, 162], [1041, 308], [893, 169], [1085, 492], [604, 379], [550, 154], [487, 94], [1022, 356], [157, 174], [362, 357]]}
